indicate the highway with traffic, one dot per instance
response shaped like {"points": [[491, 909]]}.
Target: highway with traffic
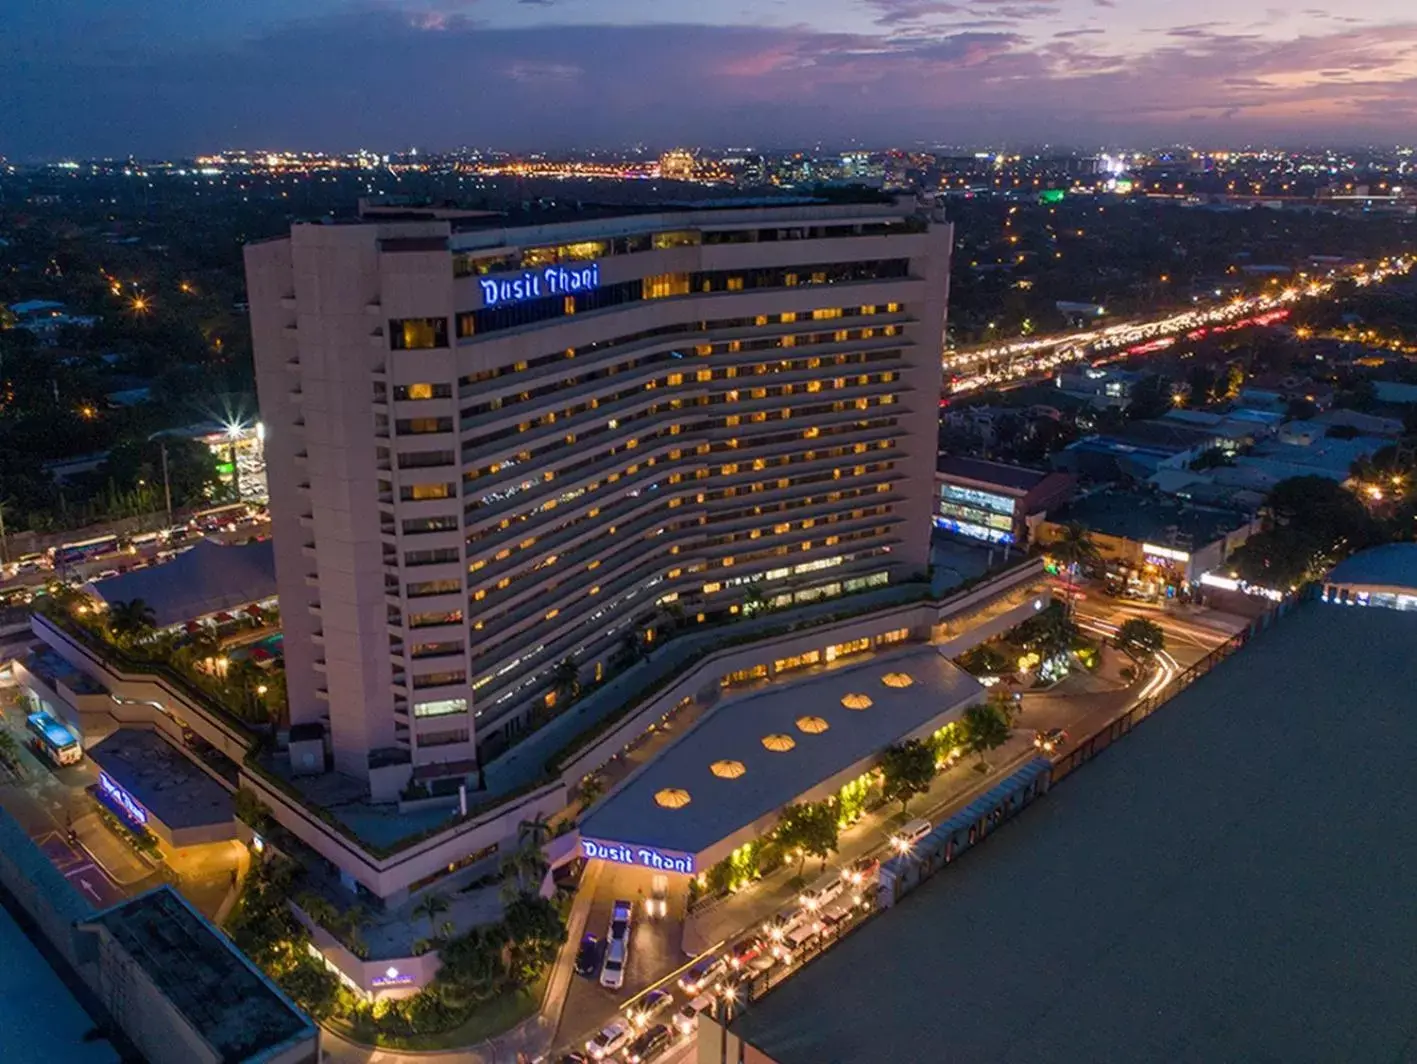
{"points": [[1018, 361]]}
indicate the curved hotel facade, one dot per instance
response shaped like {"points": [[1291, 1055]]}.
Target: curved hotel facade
{"points": [[492, 449]]}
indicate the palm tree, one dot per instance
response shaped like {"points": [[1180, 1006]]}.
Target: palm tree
{"points": [[131, 621], [430, 908], [566, 680], [534, 832], [1073, 549], [753, 601]]}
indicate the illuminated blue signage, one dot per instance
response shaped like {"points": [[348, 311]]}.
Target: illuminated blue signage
{"points": [[644, 856], [122, 799], [533, 284]]}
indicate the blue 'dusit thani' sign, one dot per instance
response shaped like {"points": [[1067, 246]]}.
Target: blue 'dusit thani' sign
{"points": [[644, 856], [533, 284]]}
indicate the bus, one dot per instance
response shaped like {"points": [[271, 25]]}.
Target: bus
{"points": [[54, 739], [220, 517], [85, 550]]}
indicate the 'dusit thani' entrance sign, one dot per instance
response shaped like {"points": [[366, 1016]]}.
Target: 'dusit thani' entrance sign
{"points": [[533, 284], [644, 856]]}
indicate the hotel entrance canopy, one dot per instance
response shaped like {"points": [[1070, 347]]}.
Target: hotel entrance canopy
{"points": [[725, 781]]}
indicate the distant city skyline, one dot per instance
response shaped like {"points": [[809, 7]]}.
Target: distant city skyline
{"points": [[187, 76]]}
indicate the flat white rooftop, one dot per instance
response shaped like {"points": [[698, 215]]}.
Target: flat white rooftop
{"points": [[734, 732]]}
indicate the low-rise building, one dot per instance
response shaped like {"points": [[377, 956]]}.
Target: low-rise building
{"points": [[992, 501], [185, 994], [1159, 543]]}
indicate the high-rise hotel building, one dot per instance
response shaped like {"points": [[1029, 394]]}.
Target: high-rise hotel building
{"points": [[494, 448]]}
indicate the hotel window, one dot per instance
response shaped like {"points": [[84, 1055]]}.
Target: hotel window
{"points": [[436, 617], [423, 391], [680, 238], [415, 426], [433, 587], [443, 707], [417, 525], [424, 492], [418, 334], [665, 285], [435, 650], [824, 313]]}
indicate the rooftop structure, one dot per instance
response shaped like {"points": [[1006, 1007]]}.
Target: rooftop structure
{"points": [[726, 780], [234, 1013], [1146, 517], [187, 804], [510, 446], [207, 579], [1280, 937]]}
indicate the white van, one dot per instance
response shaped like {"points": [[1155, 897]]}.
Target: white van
{"points": [[822, 892], [910, 834]]}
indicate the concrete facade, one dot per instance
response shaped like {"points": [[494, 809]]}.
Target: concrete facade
{"points": [[493, 450]]}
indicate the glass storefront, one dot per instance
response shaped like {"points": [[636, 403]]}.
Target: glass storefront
{"points": [[977, 514]]}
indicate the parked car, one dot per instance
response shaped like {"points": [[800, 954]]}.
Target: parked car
{"points": [[862, 870], [621, 914], [612, 1038], [910, 834], [588, 956], [1050, 740], [650, 1006], [687, 1018], [822, 892], [704, 975], [612, 972], [795, 940], [775, 927], [649, 1045], [749, 953], [657, 904]]}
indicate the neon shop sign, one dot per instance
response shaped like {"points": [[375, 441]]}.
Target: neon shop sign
{"points": [[533, 284], [122, 799]]}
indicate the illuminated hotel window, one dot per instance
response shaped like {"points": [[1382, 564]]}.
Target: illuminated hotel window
{"points": [[416, 334], [441, 708], [676, 239], [421, 492], [662, 285], [423, 391]]}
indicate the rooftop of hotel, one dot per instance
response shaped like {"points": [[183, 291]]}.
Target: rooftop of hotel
{"points": [[236, 1009], [759, 751], [1229, 883], [168, 785]]}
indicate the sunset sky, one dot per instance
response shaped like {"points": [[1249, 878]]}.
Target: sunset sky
{"points": [[156, 77]]}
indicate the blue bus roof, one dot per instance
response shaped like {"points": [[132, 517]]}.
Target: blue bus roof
{"points": [[54, 731]]}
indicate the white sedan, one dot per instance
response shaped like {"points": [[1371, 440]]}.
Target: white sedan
{"points": [[612, 1038]]}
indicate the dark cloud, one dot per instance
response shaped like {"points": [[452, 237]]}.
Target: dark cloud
{"points": [[1079, 33]]}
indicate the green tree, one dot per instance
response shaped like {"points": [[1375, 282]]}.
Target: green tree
{"points": [[1050, 633], [1311, 523], [907, 769], [1073, 550], [808, 829], [131, 622], [986, 727], [534, 831], [1141, 636], [429, 908]]}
